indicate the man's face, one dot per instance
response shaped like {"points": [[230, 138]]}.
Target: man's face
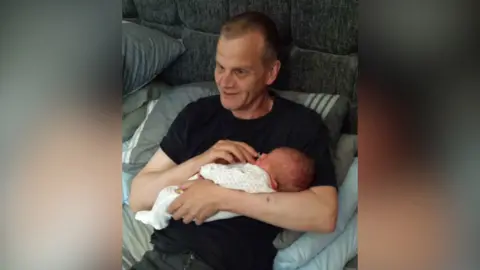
{"points": [[241, 73]]}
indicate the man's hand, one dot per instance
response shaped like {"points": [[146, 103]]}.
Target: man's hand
{"points": [[199, 200], [225, 151]]}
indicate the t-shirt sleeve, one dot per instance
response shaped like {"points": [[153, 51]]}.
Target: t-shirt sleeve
{"points": [[174, 142], [318, 149]]}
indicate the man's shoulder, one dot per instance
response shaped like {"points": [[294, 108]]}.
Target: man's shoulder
{"points": [[298, 112], [202, 106], [205, 101]]}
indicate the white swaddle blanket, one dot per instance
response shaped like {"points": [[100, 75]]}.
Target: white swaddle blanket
{"points": [[243, 176]]}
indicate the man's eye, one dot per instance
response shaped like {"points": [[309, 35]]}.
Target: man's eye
{"points": [[240, 71]]}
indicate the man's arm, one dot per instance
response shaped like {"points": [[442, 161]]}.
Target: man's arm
{"points": [[310, 210], [159, 173]]}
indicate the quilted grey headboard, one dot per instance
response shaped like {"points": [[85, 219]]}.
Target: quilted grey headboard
{"points": [[319, 37]]}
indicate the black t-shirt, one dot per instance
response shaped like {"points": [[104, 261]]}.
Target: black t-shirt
{"points": [[241, 242]]}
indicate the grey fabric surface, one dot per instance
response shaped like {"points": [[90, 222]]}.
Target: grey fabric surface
{"points": [[286, 238], [128, 9], [174, 31], [135, 238], [317, 72], [334, 23], [344, 155], [131, 121], [327, 28], [146, 53], [161, 11], [134, 106], [140, 97], [352, 264], [197, 64], [202, 15], [146, 141]]}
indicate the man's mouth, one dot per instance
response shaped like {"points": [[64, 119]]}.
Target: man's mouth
{"points": [[229, 93]]}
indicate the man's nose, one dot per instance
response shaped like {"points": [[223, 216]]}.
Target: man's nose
{"points": [[226, 80]]}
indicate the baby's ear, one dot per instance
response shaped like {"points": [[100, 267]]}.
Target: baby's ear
{"points": [[274, 184]]}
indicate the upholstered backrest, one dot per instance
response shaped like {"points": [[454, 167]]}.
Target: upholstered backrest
{"points": [[319, 38]]}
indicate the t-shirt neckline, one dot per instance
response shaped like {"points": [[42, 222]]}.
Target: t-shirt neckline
{"points": [[261, 118]]}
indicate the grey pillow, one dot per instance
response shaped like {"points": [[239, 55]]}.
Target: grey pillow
{"points": [[146, 140], [160, 115], [134, 107], [344, 156], [131, 121], [141, 97], [342, 160], [146, 53]]}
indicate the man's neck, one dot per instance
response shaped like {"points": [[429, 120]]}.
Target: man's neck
{"points": [[258, 108]]}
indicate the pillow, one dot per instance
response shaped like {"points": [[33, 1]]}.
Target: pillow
{"points": [[342, 160], [141, 97], [126, 180], [146, 140], [333, 256], [344, 156], [160, 114], [135, 107], [132, 121], [310, 244], [146, 53]]}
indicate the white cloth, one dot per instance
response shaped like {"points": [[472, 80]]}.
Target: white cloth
{"points": [[243, 176]]}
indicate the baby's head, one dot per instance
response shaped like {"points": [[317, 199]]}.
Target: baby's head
{"points": [[290, 170]]}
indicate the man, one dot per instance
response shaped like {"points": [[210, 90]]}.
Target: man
{"points": [[245, 119]]}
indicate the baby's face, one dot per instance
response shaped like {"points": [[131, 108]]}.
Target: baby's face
{"points": [[282, 168], [273, 163], [267, 161]]}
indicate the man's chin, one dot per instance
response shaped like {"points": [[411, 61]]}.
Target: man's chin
{"points": [[229, 105]]}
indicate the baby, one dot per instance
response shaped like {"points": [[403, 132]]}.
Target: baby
{"points": [[283, 169]]}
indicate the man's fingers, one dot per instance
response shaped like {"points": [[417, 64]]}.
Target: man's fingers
{"points": [[248, 148], [235, 152], [180, 212], [227, 156], [188, 217], [175, 205], [187, 184], [198, 221], [240, 151], [202, 216], [248, 152], [249, 157]]}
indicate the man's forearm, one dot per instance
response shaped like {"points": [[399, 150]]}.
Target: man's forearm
{"points": [[146, 186], [301, 211]]}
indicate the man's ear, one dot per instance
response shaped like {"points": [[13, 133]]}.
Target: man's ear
{"points": [[273, 73]]}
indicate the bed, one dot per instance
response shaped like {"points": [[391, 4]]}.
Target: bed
{"points": [[177, 40]]}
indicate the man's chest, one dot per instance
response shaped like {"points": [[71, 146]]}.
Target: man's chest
{"points": [[263, 137]]}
